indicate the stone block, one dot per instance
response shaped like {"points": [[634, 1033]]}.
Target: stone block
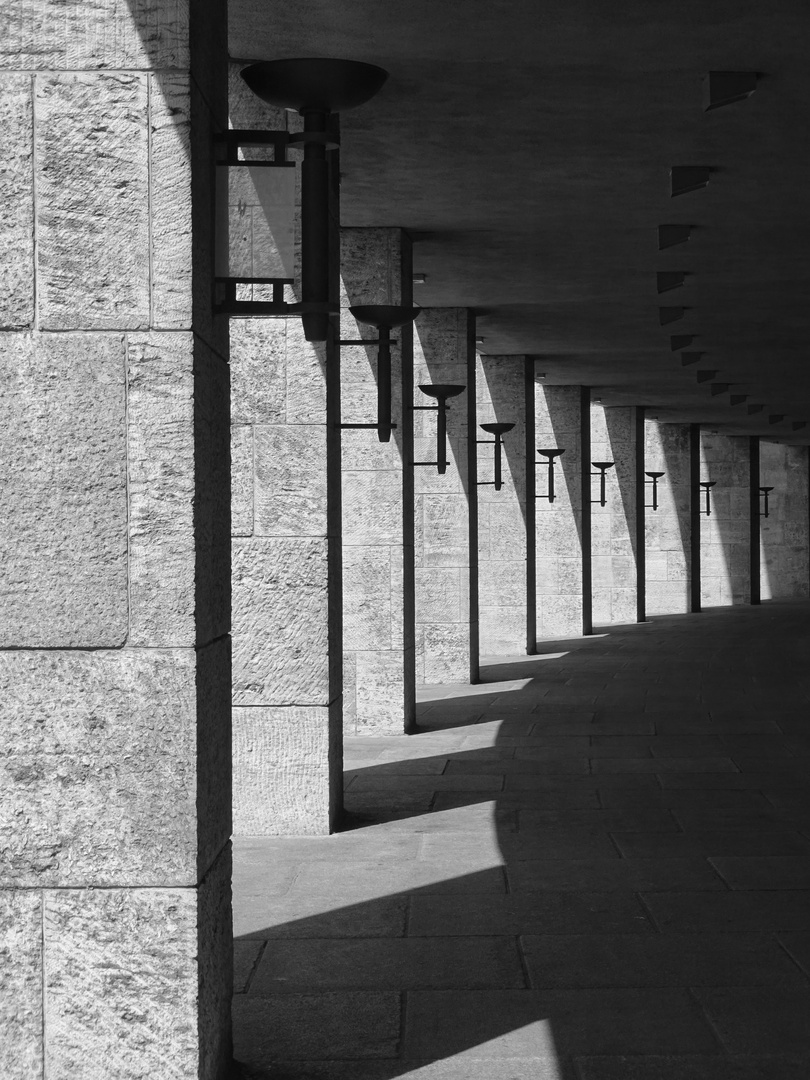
{"points": [[170, 197], [502, 630], [160, 437], [105, 764], [438, 593], [446, 530], [548, 580], [374, 516], [557, 533], [427, 480], [305, 363], [360, 452], [560, 617], [92, 201], [281, 771], [502, 584], [63, 490], [446, 653], [242, 480], [280, 621], [367, 607], [16, 203], [369, 270], [380, 693], [290, 480], [258, 371], [138, 981], [132, 34], [21, 1017]]}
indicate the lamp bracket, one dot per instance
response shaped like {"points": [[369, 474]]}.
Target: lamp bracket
{"points": [[364, 341], [281, 141], [344, 427]]}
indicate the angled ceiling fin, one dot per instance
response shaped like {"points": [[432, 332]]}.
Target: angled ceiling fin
{"points": [[685, 178], [688, 358], [670, 314], [670, 235], [718, 388], [681, 341], [725, 87], [776, 418], [797, 425], [738, 399], [755, 409], [670, 279], [705, 376]]}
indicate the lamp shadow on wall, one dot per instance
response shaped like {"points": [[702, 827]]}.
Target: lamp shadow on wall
{"points": [[445, 927]]}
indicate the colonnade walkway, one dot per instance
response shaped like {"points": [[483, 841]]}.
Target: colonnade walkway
{"points": [[594, 866]]}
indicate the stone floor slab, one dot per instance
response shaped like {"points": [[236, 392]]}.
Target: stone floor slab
{"points": [[778, 872], [724, 912], [608, 875], [759, 1020]]}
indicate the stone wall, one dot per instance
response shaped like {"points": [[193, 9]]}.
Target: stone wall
{"points": [[559, 524], [445, 649], [286, 566], [379, 658], [668, 529], [114, 494], [613, 526], [502, 514], [725, 533], [784, 533]]}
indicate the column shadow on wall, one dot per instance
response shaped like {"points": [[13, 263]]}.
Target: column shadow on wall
{"points": [[467, 941]]}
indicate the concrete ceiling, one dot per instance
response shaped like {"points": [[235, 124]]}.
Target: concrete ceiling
{"points": [[526, 146]]}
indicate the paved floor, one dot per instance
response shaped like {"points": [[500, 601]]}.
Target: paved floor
{"points": [[594, 866]]}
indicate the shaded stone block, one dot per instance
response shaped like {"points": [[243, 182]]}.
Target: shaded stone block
{"points": [[242, 480], [170, 157], [380, 693], [305, 363], [280, 621], [375, 515], [446, 652], [290, 480], [110, 775], [92, 229], [438, 590], [138, 33], [446, 531], [258, 371], [63, 488], [16, 203], [281, 771], [21, 984], [137, 981]]}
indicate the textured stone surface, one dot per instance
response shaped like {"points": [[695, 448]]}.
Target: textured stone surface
{"points": [[784, 533], [100, 767], [123, 972], [258, 371], [99, 33], [160, 435], [281, 771], [559, 581], [63, 489], [290, 480], [16, 203], [21, 985], [667, 529], [613, 526], [280, 621], [724, 536], [172, 260], [502, 544], [92, 201], [242, 480]]}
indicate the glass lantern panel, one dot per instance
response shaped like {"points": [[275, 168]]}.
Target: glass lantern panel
{"points": [[255, 227]]}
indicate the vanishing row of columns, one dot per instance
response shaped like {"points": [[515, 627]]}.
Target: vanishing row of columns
{"points": [[422, 573]]}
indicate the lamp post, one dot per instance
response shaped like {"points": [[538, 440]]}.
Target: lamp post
{"points": [[654, 478], [498, 430], [441, 392], [602, 467], [551, 454]]}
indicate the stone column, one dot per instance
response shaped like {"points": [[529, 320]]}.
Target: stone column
{"points": [[378, 657], [114, 491], [559, 524], [445, 506], [784, 532], [613, 526], [668, 527], [501, 393], [287, 680], [724, 534]]}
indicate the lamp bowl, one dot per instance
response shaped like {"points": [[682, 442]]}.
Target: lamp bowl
{"points": [[384, 316], [317, 84], [603, 465], [442, 391], [655, 475], [497, 429], [551, 452]]}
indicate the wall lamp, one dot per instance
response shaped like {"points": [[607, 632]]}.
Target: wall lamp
{"points": [[603, 467], [551, 454], [498, 430], [384, 318], [764, 492], [707, 485], [441, 392], [653, 481], [265, 193]]}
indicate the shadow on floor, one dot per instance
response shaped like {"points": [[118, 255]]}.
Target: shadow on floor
{"points": [[594, 867]]}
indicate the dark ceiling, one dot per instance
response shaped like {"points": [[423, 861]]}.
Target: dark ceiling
{"points": [[527, 146]]}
